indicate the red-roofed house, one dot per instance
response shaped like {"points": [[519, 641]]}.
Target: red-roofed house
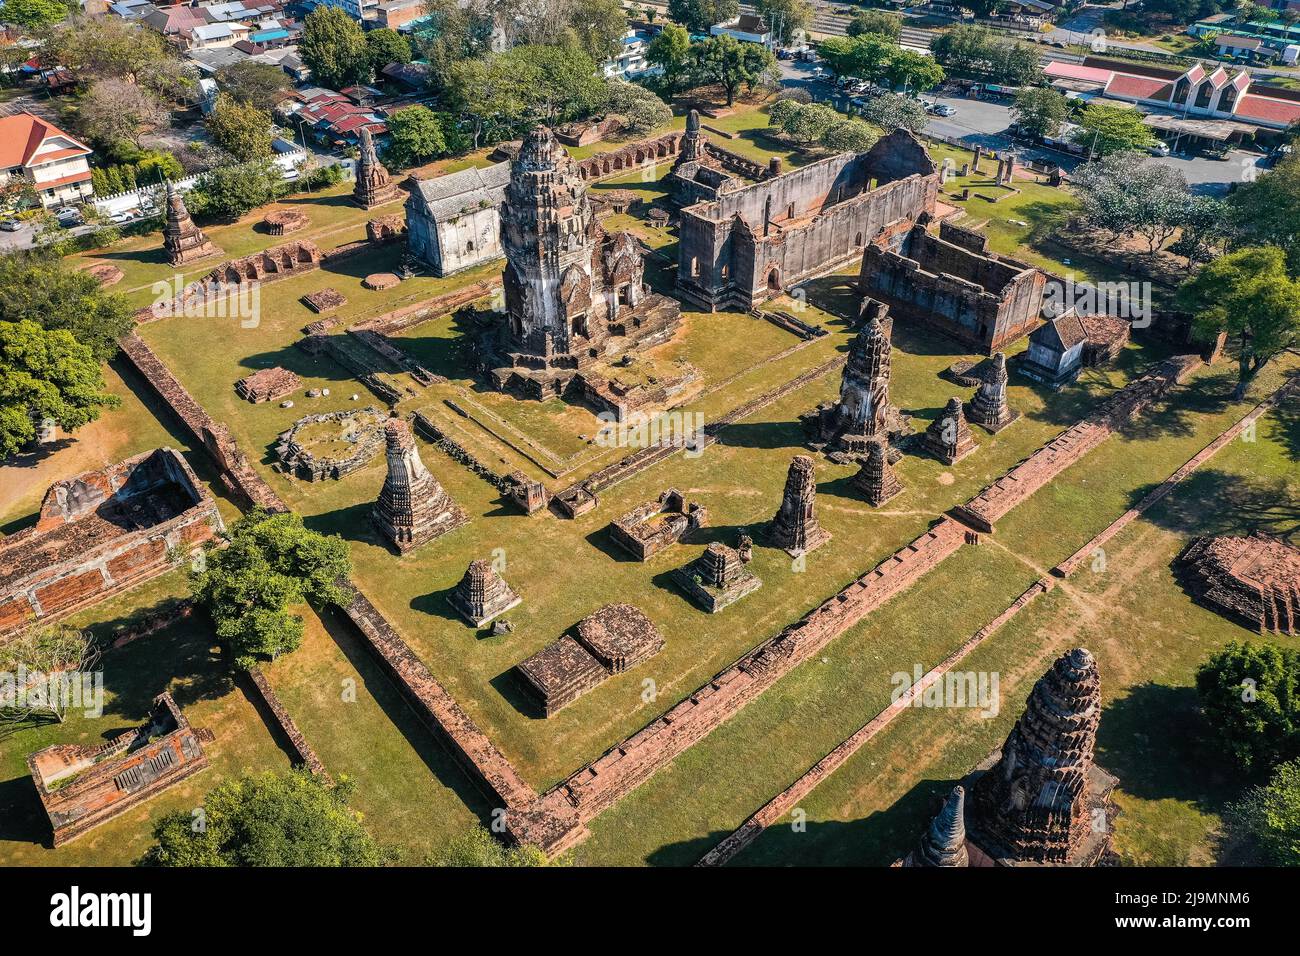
{"points": [[54, 162]]}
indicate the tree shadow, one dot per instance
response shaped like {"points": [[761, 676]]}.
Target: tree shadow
{"points": [[1215, 502], [351, 523]]}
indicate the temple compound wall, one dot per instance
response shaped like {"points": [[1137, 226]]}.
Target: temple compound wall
{"points": [[952, 282], [753, 243], [102, 532], [82, 787]]}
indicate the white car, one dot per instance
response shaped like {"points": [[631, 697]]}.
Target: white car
{"points": [[1159, 149], [943, 109]]}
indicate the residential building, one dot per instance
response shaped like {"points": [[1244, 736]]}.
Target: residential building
{"points": [[55, 163], [746, 27]]}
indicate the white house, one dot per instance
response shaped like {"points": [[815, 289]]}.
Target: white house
{"points": [[746, 27], [630, 61], [50, 159]]}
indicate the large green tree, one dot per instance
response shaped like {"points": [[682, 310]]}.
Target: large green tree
{"points": [[1105, 128], [113, 111], [486, 93], [890, 111], [1266, 209], [1124, 195], [1040, 110], [729, 63], [415, 136], [228, 192], [33, 13], [269, 819], [1249, 295], [641, 110], [45, 374], [866, 57], [271, 564], [1269, 816], [671, 52], [241, 129], [699, 15], [334, 47], [912, 71], [387, 46], [555, 84], [596, 27], [262, 85], [43, 288], [108, 47], [879, 22], [1250, 695]]}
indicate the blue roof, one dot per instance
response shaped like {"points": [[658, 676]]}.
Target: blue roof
{"points": [[262, 36]]}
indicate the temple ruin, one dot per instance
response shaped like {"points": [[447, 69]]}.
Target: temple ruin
{"points": [[795, 528], [952, 282], [696, 176], [650, 527], [1041, 799], [102, 532], [482, 594], [413, 508], [944, 841], [717, 578], [453, 221], [948, 438], [82, 787], [183, 241], [267, 385], [752, 243], [876, 480], [615, 638], [988, 408], [1064, 346], [373, 186], [576, 298], [1254, 579], [330, 445], [863, 416]]}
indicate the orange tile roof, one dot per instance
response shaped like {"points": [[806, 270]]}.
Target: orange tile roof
{"points": [[21, 136]]}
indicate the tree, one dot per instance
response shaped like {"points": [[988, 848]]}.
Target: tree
{"points": [[671, 52], [1106, 129], [729, 63], [271, 563], [1249, 295], [268, 819], [866, 57], [228, 192], [387, 46], [453, 35], [912, 71], [641, 110], [1250, 696], [45, 374], [1124, 196], [334, 48], [878, 22], [554, 84], [1206, 230], [848, 136], [415, 136], [42, 288], [963, 49], [1040, 111], [1269, 816], [485, 92], [699, 15], [241, 129], [596, 27], [808, 123], [113, 110], [478, 847], [786, 19], [890, 111], [45, 653], [1248, 12], [109, 47], [261, 85], [33, 14], [1267, 209]]}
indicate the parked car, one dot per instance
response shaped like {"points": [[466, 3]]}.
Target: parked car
{"points": [[68, 217], [10, 225], [941, 109], [120, 217], [1159, 149]]}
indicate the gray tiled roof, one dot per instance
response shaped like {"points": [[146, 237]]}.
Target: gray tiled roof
{"points": [[468, 189]]}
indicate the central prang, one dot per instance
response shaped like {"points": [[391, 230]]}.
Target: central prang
{"points": [[575, 297]]}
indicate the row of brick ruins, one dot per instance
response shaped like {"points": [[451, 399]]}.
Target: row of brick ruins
{"points": [[1040, 799]]}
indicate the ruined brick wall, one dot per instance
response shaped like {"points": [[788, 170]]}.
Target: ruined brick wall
{"points": [[630, 157], [306, 756], [236, 473]]}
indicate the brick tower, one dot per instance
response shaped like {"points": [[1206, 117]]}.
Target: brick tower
{"points": [[183, 241], [413, 508], [989, 408], [948, 438], [482, 594], [1041, 801], [795, 528], [877, 481], [373, 188], [847, 428], [944, 841]]}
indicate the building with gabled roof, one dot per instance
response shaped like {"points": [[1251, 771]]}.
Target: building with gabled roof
{"points": [[51, 160], [454, 222]]}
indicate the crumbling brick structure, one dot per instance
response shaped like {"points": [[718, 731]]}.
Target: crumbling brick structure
{"points": [[279, 222], [951, 281], [269, 264], [103, 532], [752, 243], [615, 638], [183, 241], [988, 407], [717, 578], [876, 480], [1062, 347], [1041, 799], [267, 385], [528, 494], [944, 841], [949, 438], [795, 529], [1255, 579], [413, 507], [324, 300], [482, 594], [82, 787], [373, 187], [330, 445], [650, 527]]}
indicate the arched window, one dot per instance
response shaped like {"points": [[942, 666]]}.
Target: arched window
{"points": [[1181, 89], [1228, 99], [1203, 94]]}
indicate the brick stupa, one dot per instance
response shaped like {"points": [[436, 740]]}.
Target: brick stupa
{"points": [[948, 438], [944, 841], [374, 187], [717, 578], [877, 481], [413, 508], [482, 594], [989, 408], [182, 240], [795, 528], [1042, 800]]}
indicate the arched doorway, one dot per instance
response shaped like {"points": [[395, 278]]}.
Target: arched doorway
{"points": [[774, 279]]}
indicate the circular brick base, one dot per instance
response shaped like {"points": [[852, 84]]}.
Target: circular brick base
{"points": [[380, 281], [285, 220], [106, 274]]}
